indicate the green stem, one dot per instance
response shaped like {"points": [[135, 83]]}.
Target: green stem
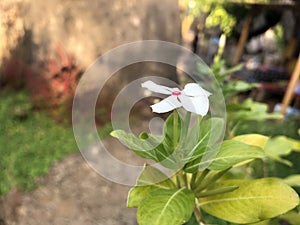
{"points": [[186, 124], [184, 130], [200, 179], [197, 214], [185, 179], [216, 191], [181, 179], [178, 183], [210, 181], [175, 129], [193, 180]]}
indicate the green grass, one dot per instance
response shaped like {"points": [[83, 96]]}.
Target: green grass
{"points": [[29, 146], [288, 127]]}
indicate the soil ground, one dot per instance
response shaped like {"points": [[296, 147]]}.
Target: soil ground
{"points": [[72, 194]]}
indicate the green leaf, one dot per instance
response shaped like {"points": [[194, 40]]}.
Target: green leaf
{"points": [[295, 143], [233, 152], [210, 133], [145, 146], [166, 207], [138, 193], [142, 147], [252, 202], [274, 148], [250, 110], [234, 87], [153, 176], [151, 179], [293, 180], [279, 146], [169, 135], [231, 70], [253, 139]]}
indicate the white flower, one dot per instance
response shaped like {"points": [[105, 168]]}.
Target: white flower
{"points": [[193, 98]]}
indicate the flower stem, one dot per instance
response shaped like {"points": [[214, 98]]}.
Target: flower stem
{"points": [[175, 129], [186, 124]]}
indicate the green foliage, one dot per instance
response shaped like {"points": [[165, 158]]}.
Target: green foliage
{"points": [[252, 202], [277, 147], [215, 11], [237, 112], [164, 207], [279, 36], [203, 166], [171, 200], [208, 133], [233, 152], [150, 180], [288, 127], [220, 17], [145, 146], [274, 148], [293, 180]]}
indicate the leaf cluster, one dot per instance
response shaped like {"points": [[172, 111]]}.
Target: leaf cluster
{"points": [[200, 161]]}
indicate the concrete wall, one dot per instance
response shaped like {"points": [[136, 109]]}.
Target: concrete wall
{"points": [[87, 29]]}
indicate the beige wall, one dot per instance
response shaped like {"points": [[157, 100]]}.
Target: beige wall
{"points": [[85, 28]]}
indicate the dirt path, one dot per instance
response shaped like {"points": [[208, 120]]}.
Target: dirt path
{"points": [[71, 194]]}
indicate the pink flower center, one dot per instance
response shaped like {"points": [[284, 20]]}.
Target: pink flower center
{"points": [[176, 93]]}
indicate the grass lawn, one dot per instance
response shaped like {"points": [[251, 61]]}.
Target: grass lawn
{"points": [[288, 127], [29, 146]]}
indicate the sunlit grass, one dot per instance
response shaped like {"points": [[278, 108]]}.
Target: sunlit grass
{"points": [[30, 142]]}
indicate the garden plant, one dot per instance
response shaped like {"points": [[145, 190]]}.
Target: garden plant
{"points": [[203, 187]]}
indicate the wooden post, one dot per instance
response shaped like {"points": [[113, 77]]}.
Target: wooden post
{"points": [[291, 87], [243, 38]]}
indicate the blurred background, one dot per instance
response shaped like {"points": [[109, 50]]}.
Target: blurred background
{"points": [[252, 46]]}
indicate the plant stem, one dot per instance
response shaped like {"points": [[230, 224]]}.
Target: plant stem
{"points": [[186, 183], [175, 129], [198, 213], [193, 180], [184, 132], [181, 179], [210, 181], [186, 124], [217, 191], [178, 183], [199, 180]]}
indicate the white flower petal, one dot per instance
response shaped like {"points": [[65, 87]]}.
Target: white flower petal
{"points": [[166, 105], [198, 105], [193, 89], [157, 88]]}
